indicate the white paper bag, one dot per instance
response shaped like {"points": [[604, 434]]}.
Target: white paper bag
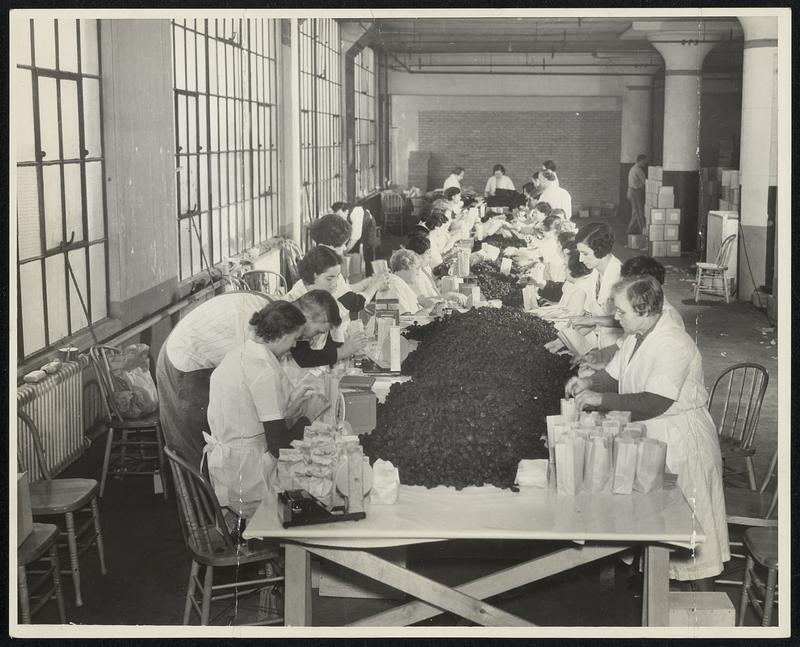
{"points": [[385, 483], [532, 473], [530, 297], [492, 252], [505, 266], [567, 408]]}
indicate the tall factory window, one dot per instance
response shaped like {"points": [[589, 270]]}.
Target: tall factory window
{"points": [[366, 149]]}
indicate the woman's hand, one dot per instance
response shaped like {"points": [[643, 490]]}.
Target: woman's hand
{"points": [[576, 385], [594, 359], [353, 344], [460, 299], [588, 398]]}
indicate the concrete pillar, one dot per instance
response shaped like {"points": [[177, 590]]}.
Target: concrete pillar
{"points": [[758, 166], [683, 53], [637, 95], [294, 197]]}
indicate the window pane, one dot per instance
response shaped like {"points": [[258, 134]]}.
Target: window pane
{"points": [[22, 43], [69, 120], [203, 182], [97, 261], [89, 62], [194, 229], [201, 63], [212, 66], [28, 227], [54, 230], [94, 200], [77, 318], [202, 122], [191, 63], [48, 118], [191, 125], [67, 45], [215, 180], [91, 117], [185, 246], [72, 196], [30, 287], [56, 273], [44, 43], [23, 117], [192, 203], [179, 46], [215, 227]]}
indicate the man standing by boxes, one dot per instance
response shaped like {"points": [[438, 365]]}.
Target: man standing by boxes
{"points": [[636, 180]]}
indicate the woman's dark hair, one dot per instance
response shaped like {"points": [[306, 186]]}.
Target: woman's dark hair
{"points": [[277, 319], [528, 188], [543, 207], [499, 167], [435, 218], [451, 191], [641, 265], [549, 176], [320, 302], [598, 237], [317, 261], [574, 265], [458, 170], [550, 165], [419, 244], [558, 212], [549, 221], [341, 206], [567, 240], [643, 292], [330, 230]]}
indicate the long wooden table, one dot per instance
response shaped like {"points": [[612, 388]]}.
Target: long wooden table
{"points": [[592, 526]]}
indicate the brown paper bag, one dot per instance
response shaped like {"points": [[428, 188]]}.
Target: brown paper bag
{"points": [[651, 462], [598, 462], [570, 452], [625, 456]]}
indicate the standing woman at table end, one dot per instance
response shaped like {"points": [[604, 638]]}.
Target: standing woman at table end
{"points": [[249, 411], [499, 180], [657, 375], [454, 179]]}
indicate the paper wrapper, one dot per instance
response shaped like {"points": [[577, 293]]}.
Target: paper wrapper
{"points": [[505, 266], [624, 417], [491, 251], [568, 408], [530, 297], [625, 456], [651, 462], [597, 469], [385, 483], [532, 473], [570, 452]]}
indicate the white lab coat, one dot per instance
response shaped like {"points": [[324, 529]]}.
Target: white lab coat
{"points": [[342, 287], [601, 305], [669, 364], [452, 180], [557, 198], [492, 184], [247, 389], [408, 302]]}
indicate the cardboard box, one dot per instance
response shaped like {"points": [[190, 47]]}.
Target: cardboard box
{"points": [[657, 248], [637, 241], [583, 213], [658, 216], [673, 248], [673, 216], [24, 516], [656, 232], [665, 201], [360, 410], [671, 232], [695, 609]]}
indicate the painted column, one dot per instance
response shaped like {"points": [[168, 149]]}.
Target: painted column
{"points": [[758, 158], [637, 94], [683, 56]]}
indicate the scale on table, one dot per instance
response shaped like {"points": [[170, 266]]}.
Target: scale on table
{"points": [[301, 508]]}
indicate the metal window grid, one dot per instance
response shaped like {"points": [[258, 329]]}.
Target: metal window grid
{"points": [[320, 116], [226, 129], [58, 129], [365, 135]]}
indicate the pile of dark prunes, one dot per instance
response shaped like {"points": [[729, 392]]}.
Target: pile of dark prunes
{"points": [[501, 242], [481, 386], [496, 285]]}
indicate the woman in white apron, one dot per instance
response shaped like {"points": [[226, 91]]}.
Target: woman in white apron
{"points": [[595, 242], [658, 376], [250, 413]]}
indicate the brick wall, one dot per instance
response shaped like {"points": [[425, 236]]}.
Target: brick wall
{"points": [[585, 145]]}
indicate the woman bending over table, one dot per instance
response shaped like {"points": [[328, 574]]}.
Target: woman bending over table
{"points": [[657, 374], [249, 412]]}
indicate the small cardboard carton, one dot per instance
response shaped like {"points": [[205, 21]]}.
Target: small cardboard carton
{"points": [[671, 232], [658, 248], [657, 216], [656, 232], [673, 248], [673, 216]]}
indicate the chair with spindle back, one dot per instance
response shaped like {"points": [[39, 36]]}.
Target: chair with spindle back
{"points": [[392, 205], [68, 497], [212, 547], [39, 546], [136, 434], [762, 549], [735, 404], [714, 273], [265, 281]]}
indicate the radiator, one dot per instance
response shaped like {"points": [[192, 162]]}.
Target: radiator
{"points": [[56, 406]]}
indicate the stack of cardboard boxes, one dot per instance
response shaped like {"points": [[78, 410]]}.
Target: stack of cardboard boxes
{"points": [[719, 191], [662, 234]]}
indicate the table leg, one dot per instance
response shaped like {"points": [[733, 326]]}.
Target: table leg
{"points": [[297, 604], [655, 602]]}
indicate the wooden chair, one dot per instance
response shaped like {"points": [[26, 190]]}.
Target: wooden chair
{"points": [[233, 284], [392, 205], [762, 548], [137, 434], [265, 281], [67, 497], [735, 404], [714, 273], [212, 548], [39, 546]]}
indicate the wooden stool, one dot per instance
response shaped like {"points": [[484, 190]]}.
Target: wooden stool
{"points": [[41, 542]]}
